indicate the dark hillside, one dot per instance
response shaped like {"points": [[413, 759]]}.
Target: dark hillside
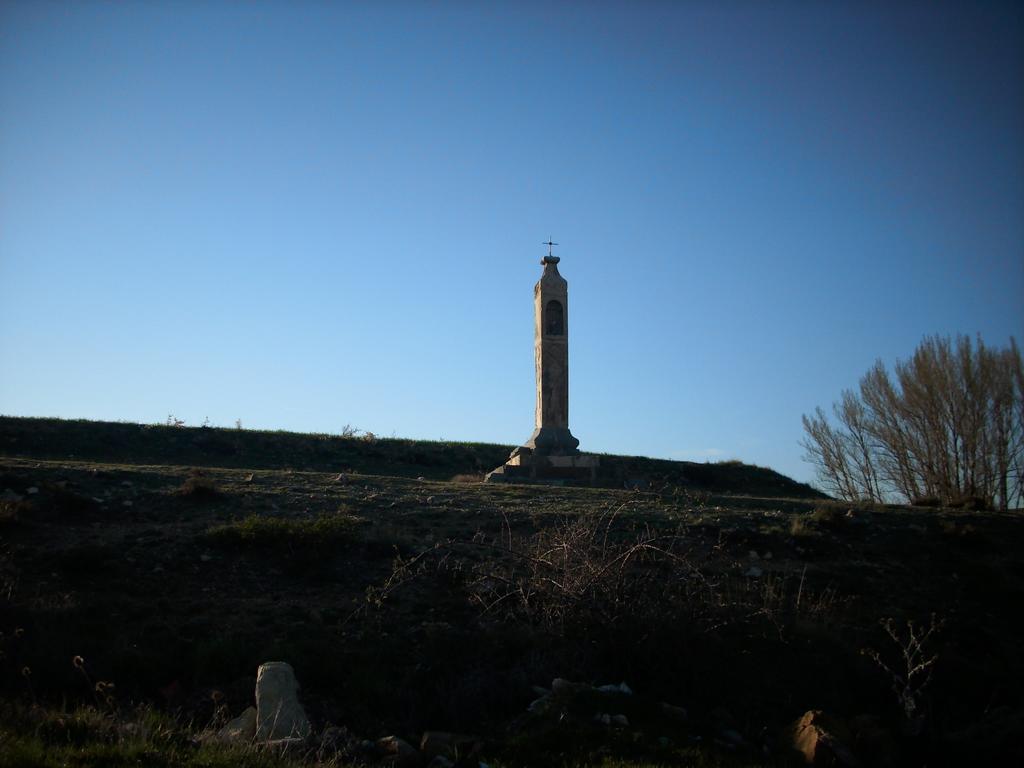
{"points": [[125, 443]]}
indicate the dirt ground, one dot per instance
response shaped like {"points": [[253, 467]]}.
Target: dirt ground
{"points": [[174, 584]]}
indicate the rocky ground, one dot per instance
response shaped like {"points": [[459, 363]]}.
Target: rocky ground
{"points": [[746, 630]]}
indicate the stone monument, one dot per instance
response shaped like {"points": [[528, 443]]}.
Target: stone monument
{"points": [[551, 454]]}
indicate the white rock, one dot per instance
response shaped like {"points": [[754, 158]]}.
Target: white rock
{"points": [[278, 712], [126, 503], [620, 720], [754, 555], [767, 555], [240, 730], [32, 490], [754, 572]]}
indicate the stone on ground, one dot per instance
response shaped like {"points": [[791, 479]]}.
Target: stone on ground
{"points": [[279, 715], [822, 740]]}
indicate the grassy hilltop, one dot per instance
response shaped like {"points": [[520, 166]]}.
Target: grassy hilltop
{"points": [[435, 460], [145, 572]]}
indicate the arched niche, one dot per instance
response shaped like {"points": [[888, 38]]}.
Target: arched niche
{"points": [[554, 319]]}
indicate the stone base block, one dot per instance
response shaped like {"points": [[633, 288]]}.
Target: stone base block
{"points": [[524, 466]]}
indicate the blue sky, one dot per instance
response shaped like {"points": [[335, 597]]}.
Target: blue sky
{"points": [[306, 215]]}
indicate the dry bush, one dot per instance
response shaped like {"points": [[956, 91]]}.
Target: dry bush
{"points": [[199, 487], [909, 666], [468, 478], [592, 570]]}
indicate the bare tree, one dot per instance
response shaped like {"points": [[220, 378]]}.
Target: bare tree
{"points": [[948, 426]]}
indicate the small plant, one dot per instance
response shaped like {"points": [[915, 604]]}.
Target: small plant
{"points": [[238, 424], [912, 673], [348, 431], [172, 421]]}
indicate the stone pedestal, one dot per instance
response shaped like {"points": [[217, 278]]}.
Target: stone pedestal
{"points": [[526, 466]]}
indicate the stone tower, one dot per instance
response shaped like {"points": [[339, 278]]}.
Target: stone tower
{"points": [[551, 454], [551, 435]]}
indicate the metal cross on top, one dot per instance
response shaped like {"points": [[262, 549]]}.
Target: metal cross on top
{"points": [[549, 244]]}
